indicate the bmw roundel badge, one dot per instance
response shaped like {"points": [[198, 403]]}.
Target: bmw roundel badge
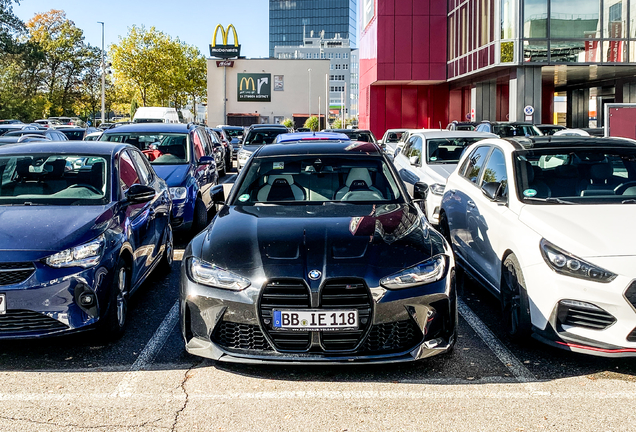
{"points": [[315, 274]]}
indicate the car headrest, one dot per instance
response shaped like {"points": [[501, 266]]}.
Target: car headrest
{"points": [[358, 174], [601, 171], [287, 177]]}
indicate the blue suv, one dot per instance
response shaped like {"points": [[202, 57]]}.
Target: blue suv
{"points": [[183, 156]]}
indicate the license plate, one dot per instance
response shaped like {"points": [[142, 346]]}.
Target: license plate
{"points": [[316, 319], [3, 304]]}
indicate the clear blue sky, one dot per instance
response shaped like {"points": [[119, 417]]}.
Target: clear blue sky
{"points": [[191, 21]]}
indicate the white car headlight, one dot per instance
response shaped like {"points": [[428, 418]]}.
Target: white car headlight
{"points": [[438, 188], [178, 193], [570, 265], [423, 273], [244, 154], [208, 274], [86, 255]]}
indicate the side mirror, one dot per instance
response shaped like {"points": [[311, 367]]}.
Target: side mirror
{"points": [[420, 191], [139, 194], [217, 194], [414, 160], [492, 190], [206, 160], [390, 157]]}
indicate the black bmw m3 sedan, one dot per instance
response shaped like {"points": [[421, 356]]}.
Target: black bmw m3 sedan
{"points": [[318, 255]]}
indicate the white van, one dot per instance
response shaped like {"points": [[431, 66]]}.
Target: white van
{"points": [[156, 115]]}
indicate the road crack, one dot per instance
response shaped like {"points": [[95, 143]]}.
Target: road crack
{"points": [[186, 377]]}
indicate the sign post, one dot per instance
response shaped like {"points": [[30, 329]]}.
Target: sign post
{"points": [[528, 111]]}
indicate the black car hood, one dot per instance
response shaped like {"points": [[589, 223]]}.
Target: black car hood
{"points": [[32, 232], [339, 240]]}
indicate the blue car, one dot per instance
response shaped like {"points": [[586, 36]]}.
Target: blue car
{"points": [[82, 228], [183, 155]]}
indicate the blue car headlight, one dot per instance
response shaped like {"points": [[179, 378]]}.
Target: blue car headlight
{"points": [[426, 272], [86, 255], [178, 193], [205, 273]]}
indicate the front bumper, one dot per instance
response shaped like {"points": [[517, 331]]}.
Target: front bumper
{"points": [[433, 203], [182, 214], [405, 325], [47, 302]]}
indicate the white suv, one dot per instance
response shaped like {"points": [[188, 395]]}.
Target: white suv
{"points": [[546, 224], [429, 157]]}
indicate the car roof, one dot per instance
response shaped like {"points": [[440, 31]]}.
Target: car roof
{"points": [[326, 148], [104, 148], [311, 136], [149, 128], [445, 133], [551, 141], [266, 125]]}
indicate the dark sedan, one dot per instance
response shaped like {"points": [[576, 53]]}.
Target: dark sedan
{"points": [[318, 255], [82, 228]]}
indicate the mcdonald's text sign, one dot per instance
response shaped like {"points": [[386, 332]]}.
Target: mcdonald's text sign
{"points": [[252, 87], [225, 50]]}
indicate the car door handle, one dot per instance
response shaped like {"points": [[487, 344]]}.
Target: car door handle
{"points": [[471, 204]]}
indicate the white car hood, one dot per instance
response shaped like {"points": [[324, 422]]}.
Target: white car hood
{"points": [[585, 230], [442, 171]]}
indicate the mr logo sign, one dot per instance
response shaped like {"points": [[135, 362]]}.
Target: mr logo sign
{"points": [[254, 87], [224, 50]]}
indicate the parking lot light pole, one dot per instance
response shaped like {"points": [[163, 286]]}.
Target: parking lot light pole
{"points": [[103, 74]]}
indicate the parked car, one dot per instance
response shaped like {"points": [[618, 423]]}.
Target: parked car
{"points": [[183, 156], [550, 129], [235, 135], [357, 135], [156, 115], [286, 273], [83, 227], [52, 134], [228, 147], [10, 127], [220, 152], [12, 121], [48, 123], [73, 133], [255, 137], [465, 126], [571, 132], [430, 157], [541, 222], [93, 136], [390, 139], [509, 129], [22, 138]]}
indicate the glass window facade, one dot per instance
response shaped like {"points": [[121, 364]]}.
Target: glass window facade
{"points": [[289, 18]]}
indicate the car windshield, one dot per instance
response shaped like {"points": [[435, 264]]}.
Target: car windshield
{"points": [[507, 130], [317, 179], [75, 135], [160, 149], [53, 179], [359, 135], [233, 133], [576, 175], [262, 136], [446, 150]]}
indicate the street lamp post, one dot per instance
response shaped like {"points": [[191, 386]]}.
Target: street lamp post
{"points": [[309, 111], [103, 74]]}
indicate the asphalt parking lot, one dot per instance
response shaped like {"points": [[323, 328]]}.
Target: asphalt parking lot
{"points": [[146, 381]]}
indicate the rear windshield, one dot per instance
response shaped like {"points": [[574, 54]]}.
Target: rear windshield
{"points": [[233, 133], [53, 179], [262, 136], [160, 149], [359, 136], [576, 175], [447, 150]]}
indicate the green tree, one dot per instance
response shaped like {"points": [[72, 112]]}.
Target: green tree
{"points": [[288, 123], [312, 123], [337, 124], [10, 26]]}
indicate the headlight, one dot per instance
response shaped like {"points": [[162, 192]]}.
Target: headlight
{"points": [[423, 273], [570, 265], [178, 193], [86, 255], [438, 189], [244, 154], [208, 274]]}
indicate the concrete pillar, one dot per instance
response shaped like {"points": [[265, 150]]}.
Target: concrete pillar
{"points": [[525, 90], [486, 101], [578, 115]]}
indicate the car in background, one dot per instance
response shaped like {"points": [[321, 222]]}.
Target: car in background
{"points": [[220, 152], [571, 132], [429, 158], [465, 126], [93, 136], [318, 255], [183, 156], [541, 223], [509, 129], [52, 134], [105, 125], [22, 138], [235, 135], [362, 135], [73, 133], [84, 226], [48, 123], [10, 127], [228, 147], [390, 139], [12, 121], [255, 137], [550, 129]]}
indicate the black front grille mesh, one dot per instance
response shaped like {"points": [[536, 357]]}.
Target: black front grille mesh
{"points": [[586, 317], [392, 337], [285, 295], [346, 295], [631, 337], [240, 336], [14, 273], [23, 321]]}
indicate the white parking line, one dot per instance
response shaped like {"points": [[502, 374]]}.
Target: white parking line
{"points": [[520, 372], [147, 355]]}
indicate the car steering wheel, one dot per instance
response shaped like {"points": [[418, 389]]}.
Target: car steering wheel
{"points": [[621, 188], [86, 186]]}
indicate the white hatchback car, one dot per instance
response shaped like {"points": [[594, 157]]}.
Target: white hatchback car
{"points": [[430, 157], [545, 223]]}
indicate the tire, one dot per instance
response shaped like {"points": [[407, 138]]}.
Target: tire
{"points": [[224, 170], [444, 228], [114, 321], [228, 162], [515, 306], [165, 265], [200, 217]]}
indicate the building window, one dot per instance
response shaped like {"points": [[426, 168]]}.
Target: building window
{"points": [[337, 55], [322, 55], [345, 66], [331, 55], [345, 55], [330, 67]]}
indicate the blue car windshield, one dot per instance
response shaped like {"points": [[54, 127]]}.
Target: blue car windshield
{"points": [[54, 179], [160, 149]]}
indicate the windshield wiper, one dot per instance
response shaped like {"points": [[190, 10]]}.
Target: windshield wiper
{"points": [[552, 200]]}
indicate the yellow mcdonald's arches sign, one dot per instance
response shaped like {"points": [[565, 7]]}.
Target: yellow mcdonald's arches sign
{"points": [[225, 50], [247, 82]]}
